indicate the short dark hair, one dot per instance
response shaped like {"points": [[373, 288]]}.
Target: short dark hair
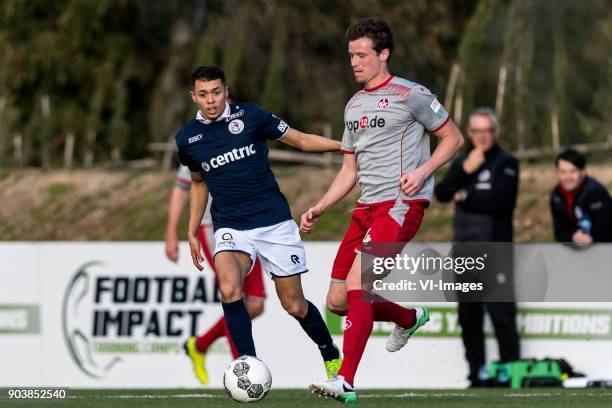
{"points": [[206, 73], [573, 156], [376, 29]]}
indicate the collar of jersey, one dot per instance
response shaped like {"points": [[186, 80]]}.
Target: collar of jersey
{"points": [[202, 118]]}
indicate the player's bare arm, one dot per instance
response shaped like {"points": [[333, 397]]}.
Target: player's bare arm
{"points": [[198, 198], [342, 185], [309, 143], [178, 197], [451, 141]]}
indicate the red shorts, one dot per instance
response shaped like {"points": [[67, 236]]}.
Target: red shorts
{"points": [[381, 222], [253, 284]]}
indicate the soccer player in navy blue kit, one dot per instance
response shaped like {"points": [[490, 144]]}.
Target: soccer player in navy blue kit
{"points": [[225, 148]]}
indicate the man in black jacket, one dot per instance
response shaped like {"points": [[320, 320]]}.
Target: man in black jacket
{"points": [[484, 187], [581, 207]]}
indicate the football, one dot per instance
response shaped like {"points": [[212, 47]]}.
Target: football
{"points": [[247, 379]]}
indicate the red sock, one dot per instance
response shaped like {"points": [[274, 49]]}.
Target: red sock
{"points": [[217, 330], [385, 311], [359, 323]]}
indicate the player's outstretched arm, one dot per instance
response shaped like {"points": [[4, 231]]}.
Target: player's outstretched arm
{"points": [[451, 142], [309, 143], [342, 185], [198, 199], [178, 198]]}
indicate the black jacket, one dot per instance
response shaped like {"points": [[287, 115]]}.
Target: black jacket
{"points": [[486, 213], [591, 200]]}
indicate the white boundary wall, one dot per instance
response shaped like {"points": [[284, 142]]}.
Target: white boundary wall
{"points": [[38, 314]]}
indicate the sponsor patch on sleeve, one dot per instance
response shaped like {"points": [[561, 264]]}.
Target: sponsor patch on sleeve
{"points": [[435, 106], [282, 126]]}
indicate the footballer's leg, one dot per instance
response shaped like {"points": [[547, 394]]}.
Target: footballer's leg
{"points": [[254, 297], [196, 347], [281, 251], [336, 297], [232, 267], [358, 327], [343, 262], [291, 295], [399, 223], [254, 291]]}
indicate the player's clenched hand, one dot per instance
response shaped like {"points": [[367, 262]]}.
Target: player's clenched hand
{"points": [[411, 182], [309, 219], [196, 252]]}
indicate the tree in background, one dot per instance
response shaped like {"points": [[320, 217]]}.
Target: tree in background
{"points": [[110, 76]]}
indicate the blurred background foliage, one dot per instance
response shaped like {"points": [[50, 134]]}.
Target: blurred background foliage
{"points": [[111, 76]]}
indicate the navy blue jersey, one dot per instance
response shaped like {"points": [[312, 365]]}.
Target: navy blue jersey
{"points": [[232, 154]]}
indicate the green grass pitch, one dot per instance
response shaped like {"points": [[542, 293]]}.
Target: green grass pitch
{"points": [[203, 398]]}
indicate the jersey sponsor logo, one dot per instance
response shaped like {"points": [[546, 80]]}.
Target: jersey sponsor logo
{"points": [[364, 123], [435, 106], [194, 139], [235, 115], [226, 242], [282, 126], [383, 103], [236, 126], [229, 157]]}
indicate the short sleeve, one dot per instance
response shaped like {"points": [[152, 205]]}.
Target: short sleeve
{"points": [[347, 146], [183, 178], [269, 126], [427, 110], [187, 161]]}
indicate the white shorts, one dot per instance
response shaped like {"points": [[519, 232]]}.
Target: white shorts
{"points": [[278, 246]]}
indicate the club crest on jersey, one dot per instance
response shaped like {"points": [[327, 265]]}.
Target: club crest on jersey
{"points": [[383, 103], [236, 126], [484, 175], [367, 238]]}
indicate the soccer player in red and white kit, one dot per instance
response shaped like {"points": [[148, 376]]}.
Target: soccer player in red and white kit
{"points": [[253, 289], [386, 152]]}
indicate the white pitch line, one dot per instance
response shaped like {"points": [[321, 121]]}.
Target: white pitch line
{"points": [[149, 396], [401, 395], [417, 395], [559, 394], [467, 395]]}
